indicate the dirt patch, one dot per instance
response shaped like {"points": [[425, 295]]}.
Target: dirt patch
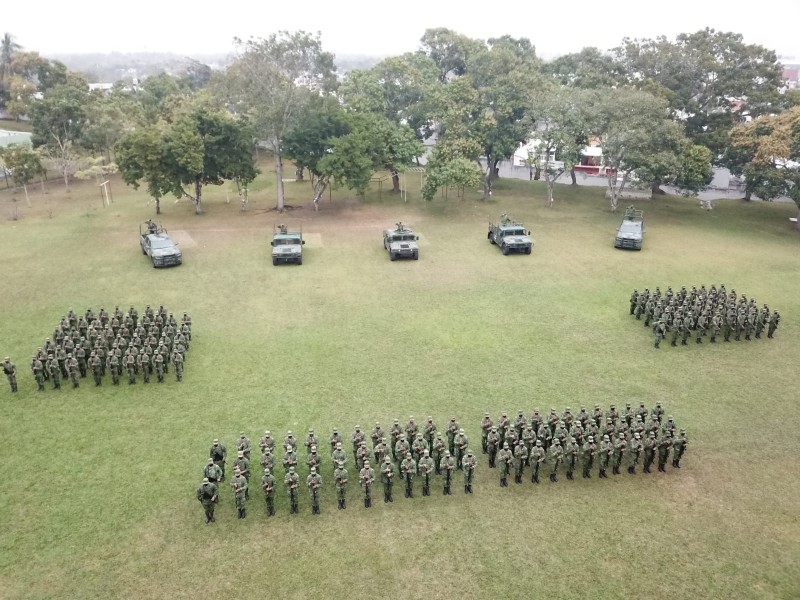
{"points": [[183, 238]]}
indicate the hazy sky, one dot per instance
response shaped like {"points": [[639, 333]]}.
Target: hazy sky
{"points": [[383, 28]]}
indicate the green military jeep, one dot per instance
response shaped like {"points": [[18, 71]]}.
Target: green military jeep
{"points": [[630, 232], [510, 236], [401, 242], [287, 246]]}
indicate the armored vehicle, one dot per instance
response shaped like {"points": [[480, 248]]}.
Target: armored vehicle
{"points": [[401, 242], [287, 246], [510, 236], [157, 244], [631, 231]]}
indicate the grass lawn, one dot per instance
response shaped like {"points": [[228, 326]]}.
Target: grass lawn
{"points": [[98, 485]]}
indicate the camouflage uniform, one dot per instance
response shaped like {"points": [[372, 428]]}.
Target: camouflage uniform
{"points": [[239, 486], [387, 478], [536, 459], [678, 448], [468, 466], [10, 370], [218, 453], [366, 478], [314, 483], [268, 485], [340, 480], [520, 458], [634, 451], [587, 457], [426, 468], [292, 481], [447, 466], [408, 469], [207, 496]]}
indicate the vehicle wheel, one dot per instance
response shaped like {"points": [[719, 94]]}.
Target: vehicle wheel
{"points": [[392, 256], [274, 262], [491, 239], [506, 250], [416, 256], [300, 261], [528, 250], [143, 252]]}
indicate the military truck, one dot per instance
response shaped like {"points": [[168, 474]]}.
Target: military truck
{"points": [[287, 246], [631, 231], [401, 242], [156, 243], [510, 236]]}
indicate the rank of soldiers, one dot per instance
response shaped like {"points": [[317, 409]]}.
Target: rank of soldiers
{"points": [[419, 453], [113, 343], [698, 313]]}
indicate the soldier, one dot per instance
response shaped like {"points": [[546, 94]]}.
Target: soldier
{"points": [[177, 360], [429, 431], [660, 330], [54, 371], [340, 480], [408, 469], [130, 366], [336, 438], [529, 440], [366, 478], [243, 464], [292, 482], [583, 417], [519, 423], [362, 455], [314, 483], [634, 452], [619, 450], [468, 465], [339, 456], [511, 436], [678, 448], [686, 328], [357, 438], [268, 485], [387, 478], [212, 472], [461, 442], [158, 362], [520, 458], [658, 412], [402, 448], [38, 372], [727, 326], [267, 442], [649, 451], [571, 457], [243, 445], [774, 319], [96, 364], [700, 328], [715, 327], [377, 434], [112, 363], [587, 457], [426, 467], [395, 432], [556, 456], [452, 431], [207, 496], [10, 370], [314, 460], [447, 466], [439, 448], [311, 441], [663, 452], [143, 362], [289, 458], [419, 447], [675, 329], [669, 426], [536, 459], [634, 299], [239, 486], [218, 453], [380, 450], [268, 460], [411, 429], [606, 449], [503, 425], [290, 440], [597, 415]]}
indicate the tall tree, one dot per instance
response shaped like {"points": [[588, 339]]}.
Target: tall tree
{"points": [[142, 157], [8, 48], [272, 80], [24, 164], [450, 51], [588, 69]]}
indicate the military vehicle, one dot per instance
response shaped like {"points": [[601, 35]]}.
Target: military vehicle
{"points": [[287, 246], [631, 231], [401, 242], [157, 244], [510, 236]]}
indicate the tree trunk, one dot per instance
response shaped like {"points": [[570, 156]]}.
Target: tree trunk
{"points": [[655, 188], [279, 175], [43, 189], [496, 169], [537, 173], [748, 194], [27, 198], [613, 190], [395, 180], [572, 176], [319, 189], [158, 206], [198, 190], [66, 178], [549, 181], [797, 225], [298, 174]]}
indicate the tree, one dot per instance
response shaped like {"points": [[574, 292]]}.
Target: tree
{"points": [[108, 118], [561, 115], [8, 48], [272, 80], [458, 172], [637, 136], [20, 94], [774, 143], [196, 75], [161, 96], [588, 69], [142, 156], [24, 164], [694, 172], [450, 51]]}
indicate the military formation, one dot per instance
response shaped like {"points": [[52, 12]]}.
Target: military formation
{"points": [[693, 314], [582, 441], [412, 456], [115, 344]]}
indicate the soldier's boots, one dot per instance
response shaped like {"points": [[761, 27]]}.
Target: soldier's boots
{"points": [[631, 470], [647, 469], [466, 489], [587, 474], [270, 511], [367, 502], [656, 345], [676, 464], [683, 343], [491, 463], [569, 476], [602, 474], [674, 344], [344, 503], [713, 339], [485, 447], [699, 340], [208, 517], [553, 478], [503, 482]]}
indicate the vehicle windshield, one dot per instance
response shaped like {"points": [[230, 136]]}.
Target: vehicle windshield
{"points": [[403, 238], [160, 243], [630, 227], [514, 232], [286, 241]]}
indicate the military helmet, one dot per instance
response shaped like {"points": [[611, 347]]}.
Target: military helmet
{"points": [[313, 449], [291, 469], [426, 452], [469, 452], [311, 430], [266, 470], [6, 359], [288, 434], [211, 461], [652, 434], [313, 469], [683, 431], [205, 479], [591, 439], [505, 444], [387, 460], [538, 442], [216, 441], [240, 454], [605, 437], [447, 452]]}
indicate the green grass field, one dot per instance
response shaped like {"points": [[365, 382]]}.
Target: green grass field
{"points": [[98, 485]]}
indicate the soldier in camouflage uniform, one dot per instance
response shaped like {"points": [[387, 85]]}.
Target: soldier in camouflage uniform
{"points": [[664, 447], [605, 451], [537, 457], [426, 469], [506, 457], [243, 465], [357, 438], [556, 457], [447, 466], [311, 441], [268, 485], [418, 447], [660, 330], [335, 439], [212, 472], [10, 370], [439, 448], [619, 451], [571, 456], [177, 360], [314, 460], [38, 372], [54, 371], [292, 482], [650, 445], [239, 486], [402, 447], [587, 457], [366, 478], [520, 458], [314, 484], [678, 448], [339, 456], [408, 470], [774, 320], [468, 466], [340, 480], [387, 478], [429, 431], [207, 496], [634, 451], [158, 364], [218, 453]]}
